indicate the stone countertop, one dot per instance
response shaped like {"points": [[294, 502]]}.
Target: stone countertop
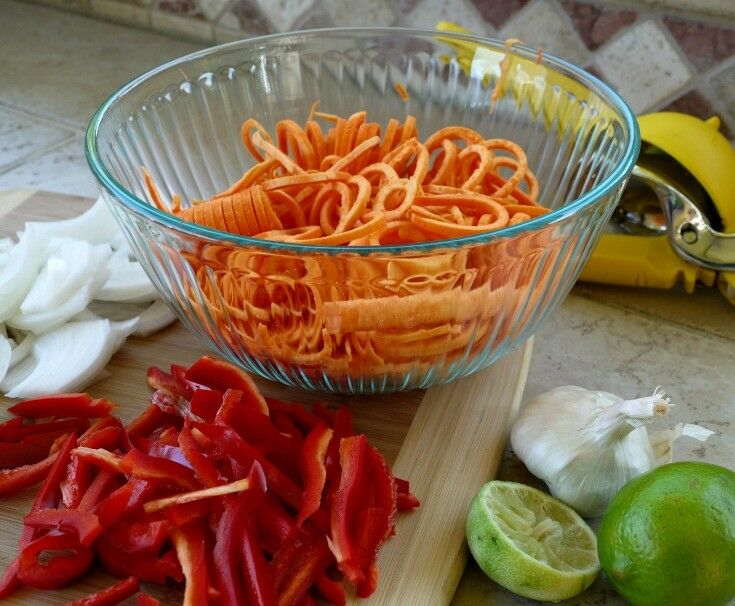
{"points": [[58, 67]]}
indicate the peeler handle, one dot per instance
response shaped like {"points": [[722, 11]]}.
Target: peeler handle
{"points": [[626, 260]]}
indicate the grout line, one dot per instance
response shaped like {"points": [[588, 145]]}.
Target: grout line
{"points": [[633, 310], [58, 122], [35, 155]]}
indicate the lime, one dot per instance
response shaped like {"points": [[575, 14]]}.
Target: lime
{"points": [[668, 537], [531, 543]]}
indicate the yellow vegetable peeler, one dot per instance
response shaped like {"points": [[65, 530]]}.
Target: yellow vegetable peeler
{"points": [[675, 221]]}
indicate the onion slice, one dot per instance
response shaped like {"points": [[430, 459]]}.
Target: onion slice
{"points": [[127, 282], [6, 353], [22, 350], [96, 226], [153, 319], [18, 275], [67, 359]]}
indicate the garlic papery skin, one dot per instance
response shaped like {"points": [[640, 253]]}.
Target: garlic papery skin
{"points": [[586, 445]]}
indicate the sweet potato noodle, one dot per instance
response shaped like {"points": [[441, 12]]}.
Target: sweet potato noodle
{"points": [[356, 185]]}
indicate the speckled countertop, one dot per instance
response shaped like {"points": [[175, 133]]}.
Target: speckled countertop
{"points": [[58, 67]]}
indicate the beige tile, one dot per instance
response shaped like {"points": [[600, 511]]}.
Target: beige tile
{"points": [[360, 12], [225, 34], [123, 12], [63, 66], [62, 169], [283, 14], [643, 65], [543, 24], [182, 26], [711, 8], [22, 134], [212, 9], [428, 13]]}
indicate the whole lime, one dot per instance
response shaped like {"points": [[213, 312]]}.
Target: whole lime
{"points": [[668, 537]]}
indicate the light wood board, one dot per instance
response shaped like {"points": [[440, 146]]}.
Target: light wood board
{"points": [[447, 441]]}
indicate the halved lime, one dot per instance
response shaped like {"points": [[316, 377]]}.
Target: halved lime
{"points": [[531, 543]]}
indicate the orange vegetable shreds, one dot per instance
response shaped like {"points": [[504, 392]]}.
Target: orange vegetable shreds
{"points": [[402, 92], [350, 182]]}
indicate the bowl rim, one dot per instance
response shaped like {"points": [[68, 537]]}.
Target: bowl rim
{"points": [[141, 207]]}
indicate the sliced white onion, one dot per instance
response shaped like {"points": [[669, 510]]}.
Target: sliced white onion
{"points": [[153, 319], [6, 353], [17, 374], [6, 244], [122, 330], [96, 226], [20, 272], [119, 242], [67, 359], [66, 285], [21, 350], [127, 281]]}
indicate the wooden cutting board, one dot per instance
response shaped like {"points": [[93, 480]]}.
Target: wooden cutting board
{"points": [[447, 441]]}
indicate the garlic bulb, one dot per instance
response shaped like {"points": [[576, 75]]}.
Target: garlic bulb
{"points": [[586, 445]]}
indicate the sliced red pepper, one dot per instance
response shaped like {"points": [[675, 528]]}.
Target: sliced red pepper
{"points": [[259, 584], [306, 420], [146, 467], [85, 524], [275, 526], [202, 465], [134, 537], [151, 419], [332, 591], [205, 403], [285, 425], [327, 415], [407, 501], [143, 599], [62, 405], [75, 484], [307, 600], [228, 410], [342, 429], [169, 436], [148, 567], [220, 375], [298, 564], [124, 501], [245, 454], [226, 569], [17, 454], [99, 457], [171, 403], [15, 430], [110, 596], [100, 487], [191, 549], [160, 450], [160, 379], [185, 513], [313, 471], [53, 561], [345, 503]]}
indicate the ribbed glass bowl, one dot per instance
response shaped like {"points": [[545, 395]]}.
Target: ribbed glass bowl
{"points": [[473, 299]]}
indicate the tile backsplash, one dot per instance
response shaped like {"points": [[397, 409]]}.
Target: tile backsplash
{"points": [[659, 54]]}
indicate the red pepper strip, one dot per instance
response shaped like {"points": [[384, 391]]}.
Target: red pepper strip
{"points": [[47, 497], [85, 524], [333, 592], [275, 525], [62, 405], [226, 570], [342, 429], [172, 403], [16, 431], [222, 376], [345, 502], [245, 454], [184, 513], [205, 403], [160, 379], [202, 465], [133, 537], [15, 480], [69, 561], [76, 482], [260, 586], [325, 414], [148, 567], [98, 489], [146, 467], [169, 436], [284, 424], [228, 410], [313, 472], [143, 599], [101, 458], [190, 544], [124, 501], [198, 495], [17, 454], [406, 502], [307, 600], [297, 412], [151, 419], [157, 449], [297, 565], [111, 595]]}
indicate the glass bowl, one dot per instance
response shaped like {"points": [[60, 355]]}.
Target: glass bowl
{"points": [[426, 313]]}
